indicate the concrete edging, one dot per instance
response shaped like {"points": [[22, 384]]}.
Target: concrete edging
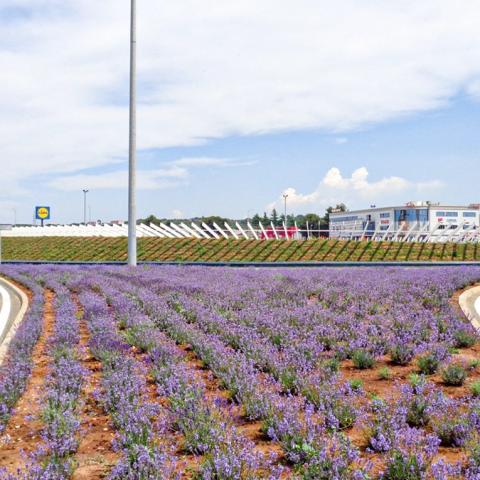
{"points": [[467, 301], [12, 328], [237, 264]]}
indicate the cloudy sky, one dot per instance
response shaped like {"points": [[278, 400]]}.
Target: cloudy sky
{"points": [[357, 102]]}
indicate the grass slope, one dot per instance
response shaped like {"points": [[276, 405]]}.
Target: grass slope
{"points": [[159, 249]]}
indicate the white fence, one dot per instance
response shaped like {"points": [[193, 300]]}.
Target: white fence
{"points": [[460, 234]]}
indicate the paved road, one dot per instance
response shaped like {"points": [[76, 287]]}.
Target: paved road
{"points": [[10, 304]]}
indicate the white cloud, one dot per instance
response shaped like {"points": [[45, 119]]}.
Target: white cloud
{"points": [[178, 213], [210, 162], [146, 180], [175, 174], [210, 69], [355, 190]]}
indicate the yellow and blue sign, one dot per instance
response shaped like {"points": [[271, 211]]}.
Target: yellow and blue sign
{"points": [[42, 213]]}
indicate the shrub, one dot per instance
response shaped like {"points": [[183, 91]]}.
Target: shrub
{"points": [[472, 449], [414, 379], [475, 388], [403, 467], [362, 359], [418, 399], [384, 373], [428, 364], [336, 403], [231, 459], [356, 384], [450, 423], [289, 380], [474, 364], [331, 365], [336, 460], [401, 354], [412, 458], [454, 374], [464, 339], [384, 422]]}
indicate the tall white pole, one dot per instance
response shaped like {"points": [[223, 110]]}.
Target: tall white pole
{"points": [[85, 206], [132, 217]]}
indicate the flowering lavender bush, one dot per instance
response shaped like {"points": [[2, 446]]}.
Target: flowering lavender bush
{"points": [[16, 368], [275, 342], [412, 458]]}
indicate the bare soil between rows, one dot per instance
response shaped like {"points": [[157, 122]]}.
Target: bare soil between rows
{"points": [[94, 457]]}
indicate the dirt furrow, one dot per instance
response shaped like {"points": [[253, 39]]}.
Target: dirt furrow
{"points": [[95, 457]]}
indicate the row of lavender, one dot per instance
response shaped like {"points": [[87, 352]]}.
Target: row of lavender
{"points": [[59, 400], [295, 326], [274, 340]]}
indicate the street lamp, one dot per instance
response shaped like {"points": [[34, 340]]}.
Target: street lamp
{"points": [[132, 219], [85, 206], [285, 196]]}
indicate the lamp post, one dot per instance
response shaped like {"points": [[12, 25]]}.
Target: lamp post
{"points": [[285, 196], [132, 219], [85, 206]]}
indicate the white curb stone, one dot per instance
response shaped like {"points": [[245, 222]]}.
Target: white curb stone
{"points": [[16, 322], [470, 304]]}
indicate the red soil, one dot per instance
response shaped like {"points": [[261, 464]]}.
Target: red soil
{"points": [[94, 456]]}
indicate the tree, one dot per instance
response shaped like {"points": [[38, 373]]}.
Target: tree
{"points": [[150, 219], [256, 220], [214, 219], [274, 217], [325, 220]]}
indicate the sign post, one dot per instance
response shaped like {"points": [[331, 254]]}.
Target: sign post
{"points": [[42, 213], [3, 226]]}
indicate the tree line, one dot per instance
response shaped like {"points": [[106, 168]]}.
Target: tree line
{"points": [[314, 221]]}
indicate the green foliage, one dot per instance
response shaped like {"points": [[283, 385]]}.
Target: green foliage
{"points": [[384, 373], [474, 364], [401, 354], [454, 374], [415, 379], [403, 468], [356, 383], [362, 359], [274, 218], [475, 388], [428, 364], [331, 365], [464, 339]]}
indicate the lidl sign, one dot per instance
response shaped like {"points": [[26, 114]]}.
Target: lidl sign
{"points": [[42, 213]]}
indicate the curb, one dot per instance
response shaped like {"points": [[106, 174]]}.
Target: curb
{"points": [[12, 328], [237, 264], [467, 304]]}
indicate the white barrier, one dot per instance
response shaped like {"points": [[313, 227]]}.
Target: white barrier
{"points": [[460, 234]]}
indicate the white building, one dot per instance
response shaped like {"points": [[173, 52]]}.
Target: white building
{"points": [[419, 221]]}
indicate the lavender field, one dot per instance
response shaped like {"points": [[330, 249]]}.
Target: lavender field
{"points": [[210, 373]]}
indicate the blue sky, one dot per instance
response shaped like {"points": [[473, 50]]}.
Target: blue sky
{"points": [[238, 104]]}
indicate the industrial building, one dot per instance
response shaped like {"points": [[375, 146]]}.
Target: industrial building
{"points": [[414, 221]]}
